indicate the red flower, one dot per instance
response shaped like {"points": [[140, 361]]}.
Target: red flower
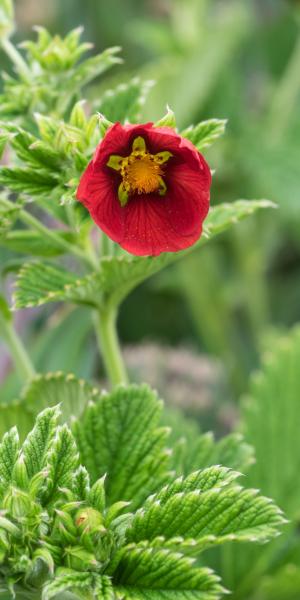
{"points": [[147, 188]]}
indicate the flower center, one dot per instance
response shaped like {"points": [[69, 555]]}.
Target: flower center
{"points": [[141, 172]]}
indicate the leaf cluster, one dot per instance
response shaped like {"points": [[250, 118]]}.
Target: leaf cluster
{"points": [[94, 509], [52, 76]]}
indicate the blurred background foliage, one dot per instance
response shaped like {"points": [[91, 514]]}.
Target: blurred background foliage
{"points": [[238, 60]]}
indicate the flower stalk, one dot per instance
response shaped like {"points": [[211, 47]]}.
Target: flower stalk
{"points": [[17, 351], [106, 332]]}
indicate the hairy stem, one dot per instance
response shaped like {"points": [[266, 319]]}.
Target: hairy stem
{"points": [[18, 353], [105, 325], [16, 59], [51, 235]]}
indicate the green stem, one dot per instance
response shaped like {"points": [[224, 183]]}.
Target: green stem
{"points": [[59, 241], [18, 353], [105, 325], [16, 59], [104, 245]]}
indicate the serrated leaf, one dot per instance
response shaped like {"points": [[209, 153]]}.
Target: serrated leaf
{"points": [[213, 516], [27, 181], [124, 103], [97, 495], [39, 283], [9, 449], [194, 450], [168, 120], [66, 580], [31, 150], [117, 276], [205, 133], [81, 483], [158, 574], [118, 435], [93, 67], [271, 421], [206, 479], [38, 441], [61, 461], [8, 216], [43, 391]]}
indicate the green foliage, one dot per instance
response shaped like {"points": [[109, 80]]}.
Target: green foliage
{"points": [[8, 216], [65, 527], [6, 18], [193, 449], [124, 103], [135, 466], [51, 66], [117, 276], [205, 133], [44, 391], [270, 423]]}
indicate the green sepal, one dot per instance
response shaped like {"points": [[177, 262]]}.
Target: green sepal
{"points": [[104, 124], [168, 120]]}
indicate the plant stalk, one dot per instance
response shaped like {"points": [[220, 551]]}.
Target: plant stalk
{"points": [[50, 234], [106, 331], [16, 59], [18, 353]]}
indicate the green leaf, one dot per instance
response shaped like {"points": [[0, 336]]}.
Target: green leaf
{"points": [[31, 150], [61, 461], [206, 479], [213, 516], [97, 495], [66, 580], [118, 436], [43, 391], [117, 276], [157, 574], [168, 120], [124, 103], [38, 441], [93, 67], [271, 422], [27, 181], [205, 133], [9, 449], [194, 450], [39, 283], [81, 483], [8, 216]]}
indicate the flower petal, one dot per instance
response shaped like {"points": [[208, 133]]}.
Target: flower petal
{"points": [[149, 224]]}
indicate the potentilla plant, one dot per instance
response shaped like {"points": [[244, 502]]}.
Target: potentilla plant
{"points": [[93, 502]]}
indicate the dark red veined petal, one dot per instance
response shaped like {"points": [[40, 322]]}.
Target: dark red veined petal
{"points": [[149, 223]]}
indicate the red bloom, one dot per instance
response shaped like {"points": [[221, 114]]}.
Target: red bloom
{"points": [[147, 188]]}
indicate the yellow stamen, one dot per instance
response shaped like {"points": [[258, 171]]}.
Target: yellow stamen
{"points": [[142, 174], [141, 171]]}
